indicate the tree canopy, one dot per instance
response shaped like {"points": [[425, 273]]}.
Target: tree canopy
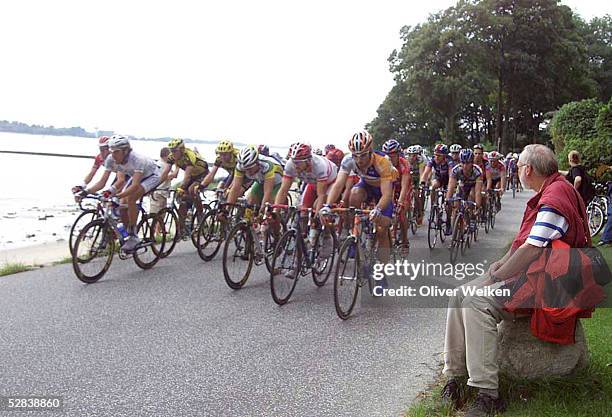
{"points": [[493, 71]]}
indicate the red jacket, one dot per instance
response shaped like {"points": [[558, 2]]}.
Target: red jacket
{"points": [[556, 324]]}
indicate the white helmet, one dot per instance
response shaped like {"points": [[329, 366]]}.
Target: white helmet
{"points": [[118, 142], [455, 147], [515, 155], [418, 149], [247, 156]]}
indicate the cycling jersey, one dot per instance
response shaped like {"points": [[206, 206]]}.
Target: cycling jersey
{"points": [[496, 170], [512, 166], [134, 163], [381, 168], [228, 166], [404, 168], [441, 170], [268, 168], [418, 166], [322, 170], [483, 165], [466, 181], [190, 158], [98, 162]]}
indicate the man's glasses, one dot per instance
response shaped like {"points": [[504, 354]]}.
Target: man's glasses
{"points": [[362, 155]]}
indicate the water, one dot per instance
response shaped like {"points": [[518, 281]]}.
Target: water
{"points": [[36, 187]]}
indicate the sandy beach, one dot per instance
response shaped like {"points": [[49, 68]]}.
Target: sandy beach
{"points": [[36, 255]]}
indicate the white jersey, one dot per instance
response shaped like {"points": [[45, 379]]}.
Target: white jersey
{"points": [[134, 163], [323, 170]]}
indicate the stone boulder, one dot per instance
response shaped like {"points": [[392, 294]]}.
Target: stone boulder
{"points": [[522, 355]]}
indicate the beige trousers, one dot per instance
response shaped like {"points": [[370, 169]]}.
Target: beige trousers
{"points": [[470, 343]]}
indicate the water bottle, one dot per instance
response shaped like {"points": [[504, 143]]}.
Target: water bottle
{"points": [[312, 237], [122, 230]]}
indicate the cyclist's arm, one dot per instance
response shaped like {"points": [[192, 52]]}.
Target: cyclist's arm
{"points": [[406, 184], [133, 186], [281, 196], [321, 188], [91, 174], [426, 174], [452, 183], [489, 180], [100, 184], [346, 195], [478, 189], [386, 189], [336, 189], [235, 188], [209, 177], [187, 177], [268, 188], [503, 185]]}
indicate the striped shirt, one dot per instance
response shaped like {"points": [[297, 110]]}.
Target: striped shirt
{"points": [[549, 225]]}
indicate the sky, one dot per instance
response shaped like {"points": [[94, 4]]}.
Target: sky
{"points": [[262, 71]]}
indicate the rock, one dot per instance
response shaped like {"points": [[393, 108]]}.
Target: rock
{"points": [[522, 355], [29, 236]]}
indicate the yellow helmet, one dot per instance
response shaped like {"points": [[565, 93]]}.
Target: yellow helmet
{"points": [[176, 143], [225, 146]]}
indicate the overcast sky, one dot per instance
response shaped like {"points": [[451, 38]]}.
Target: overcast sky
{"points": [[253, 71]]}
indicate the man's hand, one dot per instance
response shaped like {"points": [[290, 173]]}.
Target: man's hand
{"points": [[325, 210], [494, 267], [375, 213]]}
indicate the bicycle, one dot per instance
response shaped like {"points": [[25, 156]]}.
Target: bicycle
{"points": [[250, 241], [494, 206], [597, 209], [356, 258], [300, 250], [88, 214], [464, 228], [436, 224], [104, 232]]}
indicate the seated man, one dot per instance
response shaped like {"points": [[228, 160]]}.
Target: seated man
{"points": [[377, 176], [468, 177], [266, 172], [144, 176], [403, 185], [195, 169], [555, 212]]}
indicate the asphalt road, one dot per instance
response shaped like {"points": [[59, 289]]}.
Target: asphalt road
{"points": [[176, 341]]}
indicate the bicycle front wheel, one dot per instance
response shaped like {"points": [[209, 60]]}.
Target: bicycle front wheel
{"points": [[457, 242], [170, 221], [596, 217], [325, 254], [432, 228], [81, 221], [285, 267], [346, 280], [210, 236], [238, 256], [93, 253]]}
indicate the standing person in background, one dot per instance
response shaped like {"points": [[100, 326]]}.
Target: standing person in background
{"points": [[578, 177], [159, 197]]}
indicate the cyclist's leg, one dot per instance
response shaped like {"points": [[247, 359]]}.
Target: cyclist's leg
{"points": [[256, 194]]}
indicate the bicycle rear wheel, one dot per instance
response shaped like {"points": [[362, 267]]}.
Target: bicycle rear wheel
{"points": [[457, 241], [238, 256], [152, 234], [93, 251], [596, 217], [285, 267], [346, 279]]}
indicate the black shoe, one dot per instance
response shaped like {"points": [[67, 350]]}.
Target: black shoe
{"points": [[485, 406], [451, 394]]}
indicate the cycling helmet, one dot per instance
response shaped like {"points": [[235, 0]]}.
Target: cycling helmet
{"points": [[263, 150], [412, 150], [224, 146], [329, 148], [300, 151], [441, 148], [318, 151], [418, 149], [176, 144], [118, 142], [466, 155], [455, 148], [248, 156], [391, 146], [479, 146], [103, 142], [515, 155], [494, 155], [335, 155], [360, 142]]}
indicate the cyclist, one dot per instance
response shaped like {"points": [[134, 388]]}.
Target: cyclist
{"points": [[417, 167], [98, 162], [468, 177], [440, 165], [227, 156], [143, 175], [479, 157], [317, 172], [265, 151], [195, 170], [266, 172], [454, 153], [329, 148], [495, 176], [375, 185], [403, 185]]}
